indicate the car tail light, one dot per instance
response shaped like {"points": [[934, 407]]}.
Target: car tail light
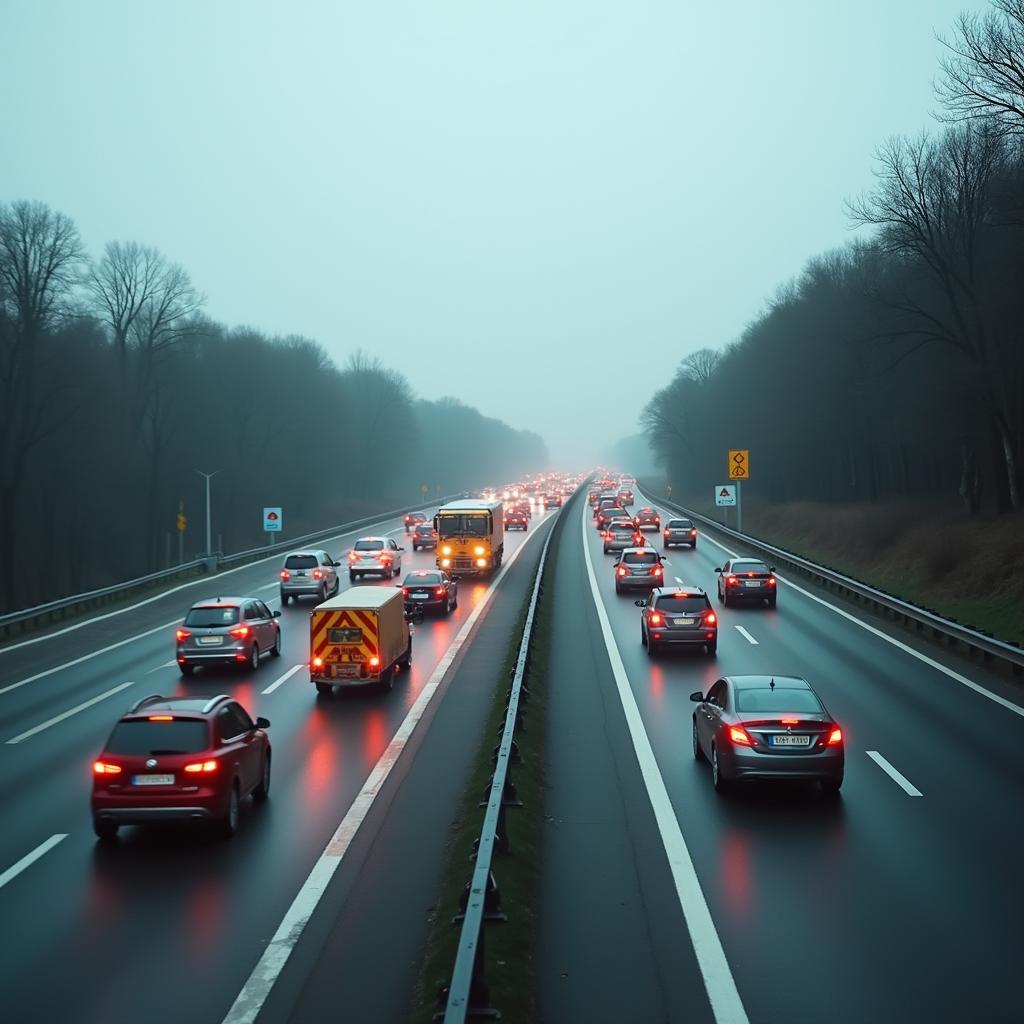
{"points": [[771, 581], [160, 718], [285, 575], [105, 768], [622, 571], [791, 721], [241, 632], [607, 534], [182, 634], [374, 662], [835, 737], [352, 556], [710, 619], [317, 574], [693, 533], [656, 570], [740, 736], [384, 557], [440, 592], [731, 580], [318, 663], [405, 591], [655, 618], [665, 532], [201, 767]]}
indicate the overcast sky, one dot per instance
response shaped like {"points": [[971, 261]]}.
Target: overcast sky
{"points": [[537, 207]]}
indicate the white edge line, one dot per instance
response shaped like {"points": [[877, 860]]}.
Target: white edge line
{"points": [[277, 682], [746, 635], [30, 858], [901, 780], [937, 665], [723, 995], [67, 714], [254, 993]]}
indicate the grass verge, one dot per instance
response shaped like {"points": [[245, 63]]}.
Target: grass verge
{"points": [[510, 945]]}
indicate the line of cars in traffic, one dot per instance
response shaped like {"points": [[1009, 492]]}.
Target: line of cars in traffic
{"points": [[746, 726], [183, 759]]}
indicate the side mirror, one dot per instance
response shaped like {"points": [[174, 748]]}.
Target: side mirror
{"points": [[697, 697], [337, 565], [399, 585], [262, 723], [718, 569], [639, 603], [771, 568], [401, 549], [277, 614]]}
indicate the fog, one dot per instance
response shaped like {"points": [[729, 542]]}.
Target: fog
{"points": [[539, 208]]}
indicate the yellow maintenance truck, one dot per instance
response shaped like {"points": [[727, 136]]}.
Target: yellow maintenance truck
{"points": [[470, 537], [359, 638]]}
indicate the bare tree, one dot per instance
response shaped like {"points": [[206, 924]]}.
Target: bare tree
{"points": [[700, 366], [983, 69]]}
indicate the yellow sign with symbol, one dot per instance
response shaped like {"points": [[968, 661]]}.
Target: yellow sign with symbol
{"points": [[739, 463], [182, 522]]}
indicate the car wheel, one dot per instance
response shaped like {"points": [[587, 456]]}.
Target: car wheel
{"points": [[643, 637], [387, 679], [694, 545], [456, 604], [618, 589], [724, 598], [186, 670], [698, 754], [720, 784], [275, 651], [228, 825], [285, 598], [652, 647], [324, 689], [322, 593], [406, 660], [262, 791], [105, 830], [712, 647], [351, 577], [773, 601], [254, 657]]}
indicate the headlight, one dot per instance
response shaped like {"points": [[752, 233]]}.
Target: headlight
{"points": [[481, 563], [446, 550], [479, 550], [445, 562]]}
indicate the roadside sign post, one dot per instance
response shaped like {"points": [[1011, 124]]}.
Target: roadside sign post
{"points": [[273, 521], [738, 467], [182, 523]]}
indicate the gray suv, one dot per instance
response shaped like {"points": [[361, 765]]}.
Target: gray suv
{"points": [[677, 617], [227, 631], [310, 573]]}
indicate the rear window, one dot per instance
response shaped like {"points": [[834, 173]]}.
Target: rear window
{"points": [[139, 736], [422, 579], [300, 562], [369, 545], [778, 700], [679, 524], [682, 603], [424, 528], [641, 558], [749, 567], [212, 615]]}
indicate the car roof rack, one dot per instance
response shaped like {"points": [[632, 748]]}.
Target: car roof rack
{"points": [[213, 702], [143, 701]]}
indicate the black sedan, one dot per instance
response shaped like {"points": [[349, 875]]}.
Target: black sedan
{"points": [[747, 579], [430, 590]]}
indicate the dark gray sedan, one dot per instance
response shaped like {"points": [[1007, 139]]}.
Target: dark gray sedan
{"points": [[227, 631], [746, 579], [767, 727]]}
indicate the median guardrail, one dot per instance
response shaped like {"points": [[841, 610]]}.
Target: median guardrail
{"points": [[906, 612], [27, 619]]}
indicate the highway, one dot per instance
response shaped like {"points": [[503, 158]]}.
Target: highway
{"points": [[896, 902], [168, 923]]}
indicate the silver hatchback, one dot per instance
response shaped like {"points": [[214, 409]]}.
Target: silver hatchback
{"points": [[311, 573], [227, 631]]}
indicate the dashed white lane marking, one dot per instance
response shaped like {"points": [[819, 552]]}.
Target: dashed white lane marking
{"points": [[30, 858], [67, 714], [719, 983], [742, 632], [901, 780], [250, 1000], [277, 682]]}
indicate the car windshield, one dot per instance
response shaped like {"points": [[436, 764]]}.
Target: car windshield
{"points": [[682, 603], [462, 526], [423, 579], [749, 567], [140, 736], [369, 545], [679, 524], [300, 562], [425, 528], [641, 558], [781, 699], [212, 615]]}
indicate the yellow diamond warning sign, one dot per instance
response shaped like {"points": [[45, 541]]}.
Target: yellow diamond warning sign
{"points": [[739, 464]]}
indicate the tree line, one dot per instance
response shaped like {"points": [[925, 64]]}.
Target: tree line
{"points": [[894, 367], [116, 393]]}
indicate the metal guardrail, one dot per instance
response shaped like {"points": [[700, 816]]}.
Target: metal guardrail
{"points": [[904, 611], [467, 994], [210, 564]]}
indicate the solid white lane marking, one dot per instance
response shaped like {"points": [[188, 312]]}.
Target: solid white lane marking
{"points": [[30, 858], [156, 597], [901, 780], [719, 983], [166, 664], [250, 1000], [931, 662], [67, 714], [745, 634], [269, 586], [277, 682]]}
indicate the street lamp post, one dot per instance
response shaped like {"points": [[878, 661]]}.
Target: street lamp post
{"points": [[209, 541]]}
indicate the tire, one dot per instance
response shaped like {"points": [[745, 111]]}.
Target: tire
{"points": [[723, 597], [698, 754], [254, 657], [351, 577], [643, 638], [322, 594], [717, 780], [773, 601], [449, 608], [275, 651], [712, 648], [387, 679], [106, 831], [606, 549], [324, 689], [652, 647], [285, 598], [415, 548], [694, 545], [831, 787], [456, 605], [618, 589], [228, 825], [406, 660], [186, 670], [262, 790]]}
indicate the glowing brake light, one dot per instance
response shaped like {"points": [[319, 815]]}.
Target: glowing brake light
{"points": [[182, 634], [285, 575], [656, 618], [352, 556], [622, 572], [656, 571], [161, 718], [240, 631], [405, 591], [731, 580], [835, 737], [201, 767], [791, 721], [374, 661], [439, 592], [318, 662], [693, 533], [317, 574], [105, 768], [740, 736], [771, 581], [710, 619]]}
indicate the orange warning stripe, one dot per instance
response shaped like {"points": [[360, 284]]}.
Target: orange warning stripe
{"points": [[351, 618]]}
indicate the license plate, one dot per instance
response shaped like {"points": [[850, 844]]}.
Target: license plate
{"points": [[791, 741], [345, 671], [419, 597], [683, 622], [152, 780], [211, 641], [300, 574], [751, 583]]}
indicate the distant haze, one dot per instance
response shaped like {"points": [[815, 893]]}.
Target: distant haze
{"points": [[536, 207]]}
